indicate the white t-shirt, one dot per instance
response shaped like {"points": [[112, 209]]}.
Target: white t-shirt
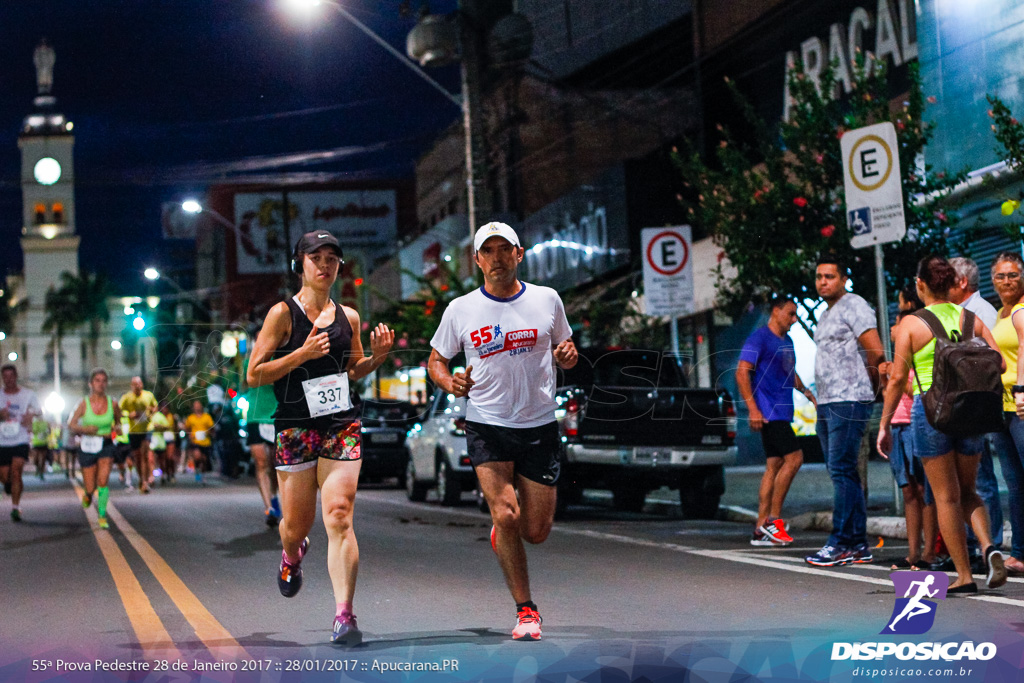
{"points": [[12, 432], [509, 343]]}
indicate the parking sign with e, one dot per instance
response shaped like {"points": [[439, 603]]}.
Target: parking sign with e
{"points": [[668, 270], [874, 196]]}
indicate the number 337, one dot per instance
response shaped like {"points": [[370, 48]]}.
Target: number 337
{"points": [[329, 396]]}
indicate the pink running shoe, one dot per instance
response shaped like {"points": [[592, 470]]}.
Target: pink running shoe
{"points": [[528, 625]]}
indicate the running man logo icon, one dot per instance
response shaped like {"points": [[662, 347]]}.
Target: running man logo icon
{"points": [[913, 613]]}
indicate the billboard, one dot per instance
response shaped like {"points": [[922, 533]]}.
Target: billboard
{"points": [[363, 220]]}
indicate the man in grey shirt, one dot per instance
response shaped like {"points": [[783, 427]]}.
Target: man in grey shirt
{"points": [[965, 293], [845, 375]]}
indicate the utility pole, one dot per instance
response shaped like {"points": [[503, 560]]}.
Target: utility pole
{"points": [[479, 206]]}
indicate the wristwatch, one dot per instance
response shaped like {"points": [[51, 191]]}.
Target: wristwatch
{"points": [[1017, 389]]}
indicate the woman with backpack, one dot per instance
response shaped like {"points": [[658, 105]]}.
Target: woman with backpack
{"points": [[950, 462]]}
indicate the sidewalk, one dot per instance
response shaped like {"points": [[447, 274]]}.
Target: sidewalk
{"points": [[809, 503]]}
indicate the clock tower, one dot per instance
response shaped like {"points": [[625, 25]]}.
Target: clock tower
{"points": [[48, 240]]}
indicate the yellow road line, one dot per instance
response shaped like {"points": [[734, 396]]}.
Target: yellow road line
{"points": [[155, 641], [215, 637]]}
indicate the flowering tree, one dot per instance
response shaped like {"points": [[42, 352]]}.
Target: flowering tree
{"points": [[1009, 134], [773, 198]]}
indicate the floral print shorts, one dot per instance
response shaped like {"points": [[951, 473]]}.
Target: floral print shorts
{"points": [[299, 448]]}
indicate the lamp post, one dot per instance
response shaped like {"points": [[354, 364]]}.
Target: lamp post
{"points": [[153, 274], [476, 200], [194, 207]]}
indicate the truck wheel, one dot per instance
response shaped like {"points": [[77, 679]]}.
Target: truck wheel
{"points": [[414, 490], [449, 487], [629, 498], [481, 500], [700, 490], [403, 475]]}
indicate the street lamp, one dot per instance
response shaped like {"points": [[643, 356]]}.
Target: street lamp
{"points": [[468, 102], [308, 5]]}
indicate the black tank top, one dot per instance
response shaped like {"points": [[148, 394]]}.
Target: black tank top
{"points": [[292, 410]]}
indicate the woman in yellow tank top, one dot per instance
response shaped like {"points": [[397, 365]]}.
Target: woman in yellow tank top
{"points": [[950, 464], [1008, 280]]}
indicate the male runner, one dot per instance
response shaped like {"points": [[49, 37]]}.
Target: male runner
{"points": [[766, 376], [18, 406], [513, 333], [140, 405]]}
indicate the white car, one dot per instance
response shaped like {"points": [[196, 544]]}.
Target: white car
{"points": [[437, 452]]}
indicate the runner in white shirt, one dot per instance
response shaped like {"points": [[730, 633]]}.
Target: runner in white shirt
{"points": [[513, 333], [17, 408]]}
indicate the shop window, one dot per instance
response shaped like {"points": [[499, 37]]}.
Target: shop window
{"points": [[40, 213], [58, 212]]}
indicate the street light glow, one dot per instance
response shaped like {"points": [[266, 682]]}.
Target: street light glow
{"points": [[138, 323], [116, 345], [191, 206], [3, 335], [152, 274], [128, 310], [54, 403], [12, 356]]}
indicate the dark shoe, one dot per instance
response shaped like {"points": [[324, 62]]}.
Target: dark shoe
{"points": [[830, 556], [996, 568], [346, 633], [966, 589], [942, 564], [289, 578], [15, 515], [861, 554], [271, 519]]}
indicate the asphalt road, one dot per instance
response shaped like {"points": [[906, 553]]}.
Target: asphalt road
{"points": [[186, 575]]}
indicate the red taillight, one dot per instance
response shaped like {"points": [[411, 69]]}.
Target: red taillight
{"points": [[571, 423], [730, 421], [465, 461]]}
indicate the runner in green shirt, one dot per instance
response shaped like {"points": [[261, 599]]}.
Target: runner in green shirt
{"points": [[260, 437]]}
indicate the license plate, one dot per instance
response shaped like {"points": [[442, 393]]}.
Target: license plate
{"points": [[644, 457], [711, 440], [384, 438]]}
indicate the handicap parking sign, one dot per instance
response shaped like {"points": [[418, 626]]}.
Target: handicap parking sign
{"points": [[860, 221]]}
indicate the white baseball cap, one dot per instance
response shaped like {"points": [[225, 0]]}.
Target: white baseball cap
{"points": [[492, 230]]}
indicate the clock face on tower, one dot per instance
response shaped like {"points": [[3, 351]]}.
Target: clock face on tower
{"points": [[47, 171]]}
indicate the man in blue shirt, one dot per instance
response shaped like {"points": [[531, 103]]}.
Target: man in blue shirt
{"points": [[766, 376]]}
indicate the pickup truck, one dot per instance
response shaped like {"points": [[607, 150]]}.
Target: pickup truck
{"points": [[630, 424]]}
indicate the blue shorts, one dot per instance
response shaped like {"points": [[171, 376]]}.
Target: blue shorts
{"points": [[905, 466], [930, 442]]}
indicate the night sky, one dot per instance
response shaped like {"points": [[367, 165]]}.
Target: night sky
{"points": [[169, 96]]}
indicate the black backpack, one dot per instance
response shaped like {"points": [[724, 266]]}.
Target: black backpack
{"points": [[966, 396]]}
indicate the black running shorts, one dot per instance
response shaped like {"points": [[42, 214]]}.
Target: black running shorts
{"points": [[778, 439], [9, 453], [534, 450], [137, 439]]}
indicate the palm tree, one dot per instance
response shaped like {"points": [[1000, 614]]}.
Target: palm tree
{"points": [[61, 316], [91, 293], [80, 300], [8, 310]]}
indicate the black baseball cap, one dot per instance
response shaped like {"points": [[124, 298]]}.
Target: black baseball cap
{"points": [[312, 241]]}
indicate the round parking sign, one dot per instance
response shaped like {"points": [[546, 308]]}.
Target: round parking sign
{"points": [[870, 163], [668, 252]]}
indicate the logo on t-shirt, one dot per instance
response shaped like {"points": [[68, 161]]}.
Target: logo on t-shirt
{"points": [[516, 342]]}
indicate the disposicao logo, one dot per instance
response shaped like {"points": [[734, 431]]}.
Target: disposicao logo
{"points": [[914, 614]]}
